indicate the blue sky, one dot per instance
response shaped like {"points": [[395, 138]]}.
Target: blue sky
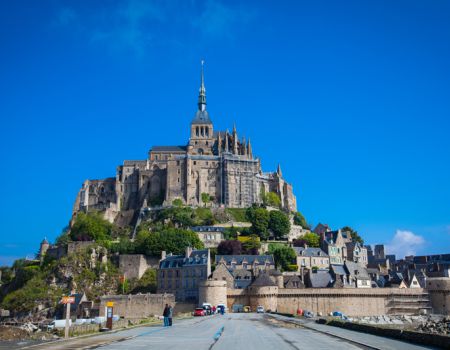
{"points": [[351, 97]]}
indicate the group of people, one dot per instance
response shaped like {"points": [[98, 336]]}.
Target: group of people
{"points": [[168, 314]]}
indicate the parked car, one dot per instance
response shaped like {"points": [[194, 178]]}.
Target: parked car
{"points": [[199, 311], [238, 308], [260, 309], [247, 309], [55, 324], [207, 308], [308, 314], [220, 307]]}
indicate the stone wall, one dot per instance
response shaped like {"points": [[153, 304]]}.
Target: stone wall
{"points": [[135, 265], [137, 306], [439, 291], [352, 302]]}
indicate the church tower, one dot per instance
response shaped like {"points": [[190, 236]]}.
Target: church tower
{"points": [[202, 132]]}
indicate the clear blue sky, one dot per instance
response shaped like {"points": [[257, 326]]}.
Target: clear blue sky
{"points": [[351, 97]]}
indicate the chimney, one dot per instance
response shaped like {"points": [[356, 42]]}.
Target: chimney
{"points": [[163, 255], [188, 252]]}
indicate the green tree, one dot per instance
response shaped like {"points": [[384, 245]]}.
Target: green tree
{"points": [[251, 245], [354, 234], [147, 283], [300, 220], [279, 224], [272, 199], [171, 240], [206, 198], [310, 239], [90, 226], [284, 256], [259, 217]]}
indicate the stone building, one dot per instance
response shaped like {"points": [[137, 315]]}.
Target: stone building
{"points": [[216, 163], [308, 257], [357, 253], [181, 275], [211, 236]]}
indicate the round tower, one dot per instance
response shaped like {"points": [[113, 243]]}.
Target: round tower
{"points": [[213, 292], [43, 248]]}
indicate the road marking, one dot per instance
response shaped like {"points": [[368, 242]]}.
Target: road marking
{"points": [[218, 333]]}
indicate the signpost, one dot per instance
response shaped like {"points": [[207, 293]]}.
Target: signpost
{"points": [[109, 314], [68, 300]]}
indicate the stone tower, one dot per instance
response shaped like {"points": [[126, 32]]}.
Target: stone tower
{"points": [[202, 131]]}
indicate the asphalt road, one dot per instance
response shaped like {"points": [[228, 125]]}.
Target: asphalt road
{"points": [[250, 331]]}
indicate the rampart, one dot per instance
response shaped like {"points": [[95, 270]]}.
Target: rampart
{"points": [[137, 306], [352, 302]]}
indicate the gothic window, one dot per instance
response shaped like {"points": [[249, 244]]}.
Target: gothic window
{"points": [[178, 180], [206, 143], [196, 132]]}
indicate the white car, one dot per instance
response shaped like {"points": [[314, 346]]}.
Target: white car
{"points": [[260, 309]]}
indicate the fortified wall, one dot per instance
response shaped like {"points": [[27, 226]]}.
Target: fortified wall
{"points": [[352, 302], [137, 306], [439, 290]]}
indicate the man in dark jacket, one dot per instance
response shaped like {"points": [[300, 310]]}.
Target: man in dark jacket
{"points": [[166, 315]]}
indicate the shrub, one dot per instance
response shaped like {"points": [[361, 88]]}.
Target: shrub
{"points": [[90, 226], [238, 214], [231, 247]]}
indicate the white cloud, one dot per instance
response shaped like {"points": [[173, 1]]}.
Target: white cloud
{"points": [[405, 243]]}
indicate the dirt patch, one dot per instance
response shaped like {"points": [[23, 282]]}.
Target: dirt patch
{"points": [[278, 323], [12, 333]]}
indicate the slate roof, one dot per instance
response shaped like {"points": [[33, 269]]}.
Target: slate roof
{"points": [[301, 251], [357, 271], [263, 280], [239, 259], [339, 270], [197, 258], [201, 117], [320, 279], [169, 149]]}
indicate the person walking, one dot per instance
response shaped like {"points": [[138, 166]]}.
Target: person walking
{"points": [[166, 315], [170, 315]]}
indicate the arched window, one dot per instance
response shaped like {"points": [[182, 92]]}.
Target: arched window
{"points": [[196, 131], [207, 131], [202, 131]]}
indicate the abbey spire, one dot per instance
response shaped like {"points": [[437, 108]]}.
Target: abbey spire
{"points": [[202, 91]]}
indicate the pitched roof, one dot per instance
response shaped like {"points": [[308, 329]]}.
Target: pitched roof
{"points": [[208, 229], [301, 251], [357, 271], [263, 280], [338, 269], [320, 279]]}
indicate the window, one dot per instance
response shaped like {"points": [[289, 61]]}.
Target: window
{"points": [[195, 163], [156, 157], [178, 180], [178, 162]]}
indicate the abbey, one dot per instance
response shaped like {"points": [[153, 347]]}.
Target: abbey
{"points": [[216, 163]]}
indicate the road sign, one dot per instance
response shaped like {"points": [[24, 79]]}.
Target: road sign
{"points": [[109, 304], [68, 300]]}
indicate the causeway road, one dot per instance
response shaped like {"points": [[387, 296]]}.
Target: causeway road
{"points": [[234, 331]]}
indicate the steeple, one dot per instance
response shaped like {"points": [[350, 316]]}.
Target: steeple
{"points": [[249, 150], [280, 174], [226, 142], [202, 92], [202, 116]]}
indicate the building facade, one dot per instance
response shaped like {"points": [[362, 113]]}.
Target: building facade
{"points": [[216, 163], [181, 275]]}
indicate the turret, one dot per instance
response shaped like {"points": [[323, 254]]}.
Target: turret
{"points": [[249, 150]]}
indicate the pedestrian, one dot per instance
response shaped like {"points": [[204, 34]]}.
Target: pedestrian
{"points": [[214, 310], [166, 315], [170, 315]]}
